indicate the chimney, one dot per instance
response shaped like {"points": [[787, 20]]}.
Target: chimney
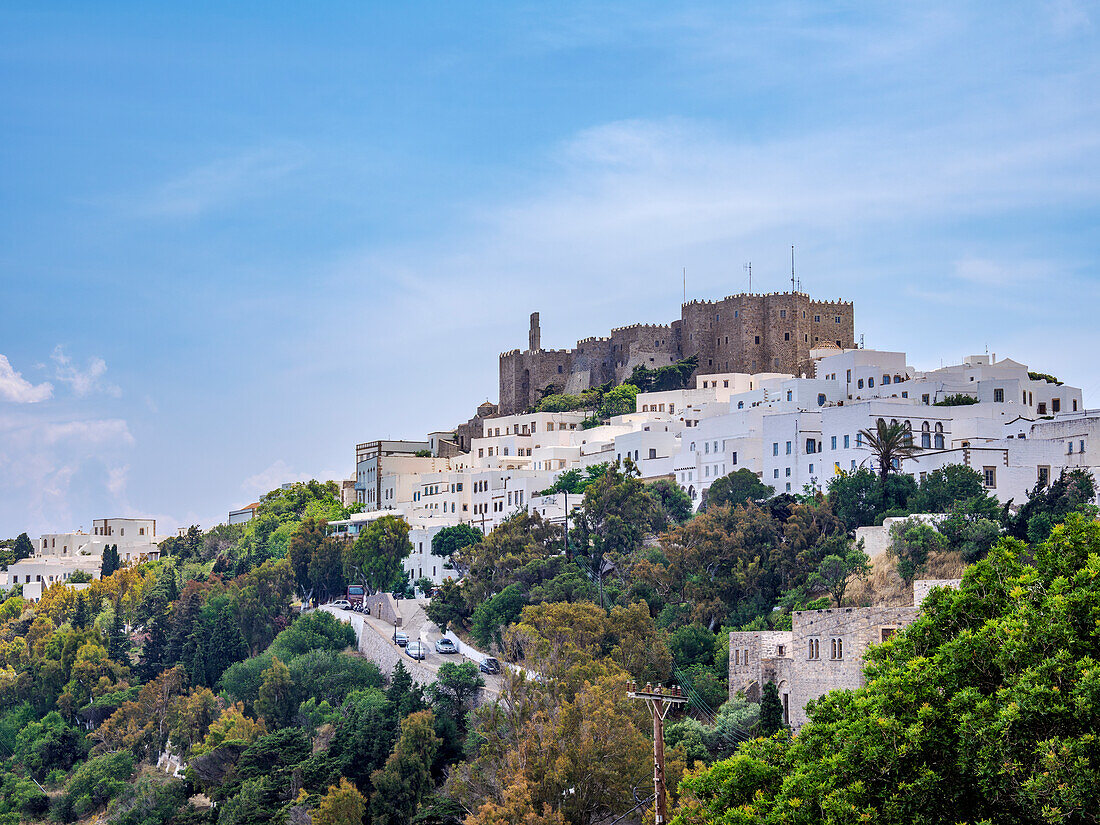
{"points": [[534, 337]]}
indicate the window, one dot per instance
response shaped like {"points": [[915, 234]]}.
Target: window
{"points": [[838, 319], [786, 336], [788, 487], [821, 399], [859, 384], [775, 473], [1075, 405], [836, 649], [811, 469], [788, 448], [1056, 405], [782, 313], [990, 474], [924, 399], [735, 458], [1042, 408], [870, 382], [859, 439], [780, 650], [885, 380], [787, 472], [999, 395], [887, 632], [652, 452], [832, 443], [757, 339], [849, 378], [811, 446], [1082, 445], [814, 649], [775, 448], [1044, 476], [817, 319], [847, 441], [790, 395]]}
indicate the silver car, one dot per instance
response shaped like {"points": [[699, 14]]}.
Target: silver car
{"points": [[445, 645], [415, 650]]}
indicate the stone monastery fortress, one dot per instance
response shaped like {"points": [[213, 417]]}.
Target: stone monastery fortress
{"points": [[740, 333]]}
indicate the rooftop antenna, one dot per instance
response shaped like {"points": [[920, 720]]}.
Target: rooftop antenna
{"points": [[748, 268], [792, 269], [685, 284]]}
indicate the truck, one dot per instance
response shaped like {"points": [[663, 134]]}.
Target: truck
{"points": [[356, 594]]}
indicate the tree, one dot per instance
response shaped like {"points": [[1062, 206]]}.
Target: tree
{"points": [[737, 488], [23, 547], [275, 703], [300, 549], [674, 502], [449, 539], [378, 553], [326, 569], [341, 805], [912, 543], [456, 687], [448, 607], [406, 777], [1047, 506], [619, 401], [837, 569], [943, 488], [889, 443], [111, 561], [771, 710], [974, 713]]}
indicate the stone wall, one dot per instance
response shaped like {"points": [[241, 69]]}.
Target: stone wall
{"points": [[386, 655], [383, 606], [922, 587]]}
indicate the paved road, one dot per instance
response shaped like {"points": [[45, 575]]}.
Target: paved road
{"points": [[416, 625]]}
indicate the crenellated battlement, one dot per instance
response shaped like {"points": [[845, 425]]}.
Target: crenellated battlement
{"points": [[643, 327], [593, 340], [509, 354]]}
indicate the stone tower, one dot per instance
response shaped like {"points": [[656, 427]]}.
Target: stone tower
{"points": [[534, 337]]}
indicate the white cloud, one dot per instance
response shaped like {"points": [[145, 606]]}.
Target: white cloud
{"points": [[83, 381], [14, 387], [61, 472]]}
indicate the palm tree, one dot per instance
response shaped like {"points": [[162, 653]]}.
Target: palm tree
{"points": [[889, 442]]}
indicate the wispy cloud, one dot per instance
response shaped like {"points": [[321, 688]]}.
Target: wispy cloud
{"points": [[223, 181], [14, 387], [82, 381]]}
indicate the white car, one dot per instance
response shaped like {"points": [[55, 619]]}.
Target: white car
{"points": [[343, 604], [415, 650]]}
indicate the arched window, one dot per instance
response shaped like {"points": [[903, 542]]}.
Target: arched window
{"points": [[897, 379], [870, 382], [859, 384], [692, 446], [938, 440]]}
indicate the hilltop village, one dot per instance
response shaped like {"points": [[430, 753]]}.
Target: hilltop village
{"points": [[743, 504]]}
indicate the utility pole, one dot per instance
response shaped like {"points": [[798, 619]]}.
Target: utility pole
{"points": [[659, 700]]}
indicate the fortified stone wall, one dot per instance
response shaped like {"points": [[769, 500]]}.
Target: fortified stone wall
{"points": [[740, 333]]}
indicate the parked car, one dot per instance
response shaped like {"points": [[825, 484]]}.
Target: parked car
{"points": [[343, 604], [445, 645], [400, 638], [415, 650], [489, 665]]}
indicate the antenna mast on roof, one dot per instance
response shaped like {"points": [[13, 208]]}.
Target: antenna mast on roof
{"points": [[748, 268], [793, 287]]}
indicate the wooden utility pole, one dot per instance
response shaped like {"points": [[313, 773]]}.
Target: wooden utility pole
{"points": [[659, 700]]}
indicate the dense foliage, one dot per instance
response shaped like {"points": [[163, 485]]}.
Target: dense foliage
{"points": [[984, 710]]}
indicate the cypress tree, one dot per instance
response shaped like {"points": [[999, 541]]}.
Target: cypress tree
{"points": [[771, 710], [110, 560]]}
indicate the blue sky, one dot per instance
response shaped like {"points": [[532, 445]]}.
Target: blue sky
{"points": [[236, 241]]}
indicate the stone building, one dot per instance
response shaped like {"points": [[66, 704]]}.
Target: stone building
{"points": [[744, 333], [822, 652]]}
